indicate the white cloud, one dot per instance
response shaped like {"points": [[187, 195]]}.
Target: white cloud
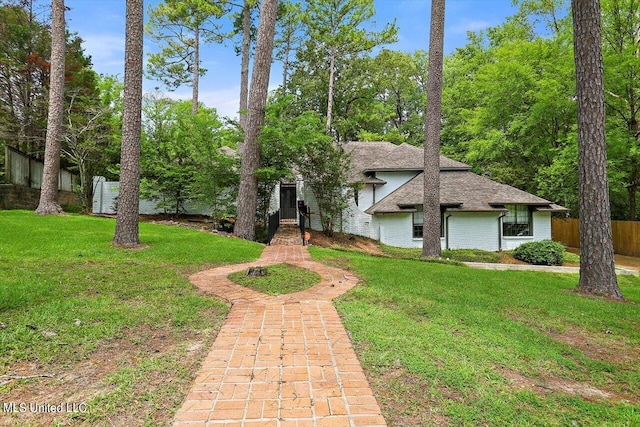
{"points": [[466, 25], [225, 101], [106, 51]]}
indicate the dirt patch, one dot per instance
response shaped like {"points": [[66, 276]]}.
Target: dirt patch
{"points": [[347, 241], [406, 400], [629, 262], [74, 385], [605, 346], [506, 258], [560, 385]]}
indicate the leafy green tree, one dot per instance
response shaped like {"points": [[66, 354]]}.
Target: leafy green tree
{"points": [[509, 106], [24, 84], [280, 143], [216, 179], [24, 69], [166, 165], [25, 47], [288, 36], [324, 166], [621, 51], [182, 26], [243, 24], [183, 160], [91, 142], [335, 33], [400, 80]]}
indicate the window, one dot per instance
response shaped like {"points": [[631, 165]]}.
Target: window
{"points": [[518, 221], [418, 221]]}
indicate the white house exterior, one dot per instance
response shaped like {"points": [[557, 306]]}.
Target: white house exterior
{"points": [[476, 212]]}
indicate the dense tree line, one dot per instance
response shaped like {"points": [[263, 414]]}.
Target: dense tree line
{"points": [[89, 141], [509, 103]]}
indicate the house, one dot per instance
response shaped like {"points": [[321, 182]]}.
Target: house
{"points": [[476, 212]]}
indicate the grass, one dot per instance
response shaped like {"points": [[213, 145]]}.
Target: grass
{"points": [[461, 255], [124, 331], [448, 345], [280, 279], [570, 257], [67, 296]]}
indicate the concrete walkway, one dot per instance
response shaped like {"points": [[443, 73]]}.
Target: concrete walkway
{"points": [[280, 361], [545, 268]]}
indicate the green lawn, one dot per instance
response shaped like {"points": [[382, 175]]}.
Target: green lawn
{"points": [[461, 255], [124, 331], [453, 345], [280, 279], [125, 328]]}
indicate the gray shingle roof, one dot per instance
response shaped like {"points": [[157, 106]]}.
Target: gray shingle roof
{"points": [[385, 156], [463, 191]]}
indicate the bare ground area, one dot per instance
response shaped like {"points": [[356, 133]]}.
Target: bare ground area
{"points": [[623, 261], [406, 399], [140, 378], [548, 385], [348, 241]]}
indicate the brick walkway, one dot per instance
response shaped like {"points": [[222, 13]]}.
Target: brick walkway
{"points": [[280, 361]]}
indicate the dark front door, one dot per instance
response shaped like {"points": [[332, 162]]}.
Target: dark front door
{"points": [[288, 206]]}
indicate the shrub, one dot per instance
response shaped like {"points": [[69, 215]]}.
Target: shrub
{"points": [[544, 252]]}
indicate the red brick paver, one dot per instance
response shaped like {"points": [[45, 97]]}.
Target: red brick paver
{"points": [[280, 361]]}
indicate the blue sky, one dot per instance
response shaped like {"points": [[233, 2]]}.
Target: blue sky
{"points": [[101, 26]]}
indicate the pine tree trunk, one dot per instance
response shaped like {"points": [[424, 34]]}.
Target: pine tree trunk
{"points": [[247, 202], [597, 270], [48, 203], [244, 70], [285, 65], [332, 66], [196, 72], [128, 198], [431, 211]]}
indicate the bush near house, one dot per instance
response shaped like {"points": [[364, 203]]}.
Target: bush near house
{"points": [[543, 252]]}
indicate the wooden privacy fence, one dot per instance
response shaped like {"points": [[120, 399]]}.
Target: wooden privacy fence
{"points": [[626, 235], [25, 171]]}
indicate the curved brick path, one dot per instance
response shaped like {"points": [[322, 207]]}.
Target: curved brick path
{"points": [[280, 361]]}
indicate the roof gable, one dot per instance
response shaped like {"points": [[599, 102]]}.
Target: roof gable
{"points": [[385, 156], [461, 191]]}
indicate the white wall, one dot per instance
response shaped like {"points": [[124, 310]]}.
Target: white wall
{"points": [[365, 197], [106, 192], [396, 229], [312, 208], [541, 231], [274, 201], [478, 230], [394, 180], [355, 221]]}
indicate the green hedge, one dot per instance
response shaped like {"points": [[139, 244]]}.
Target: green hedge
{"points": [[544, 252]]}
